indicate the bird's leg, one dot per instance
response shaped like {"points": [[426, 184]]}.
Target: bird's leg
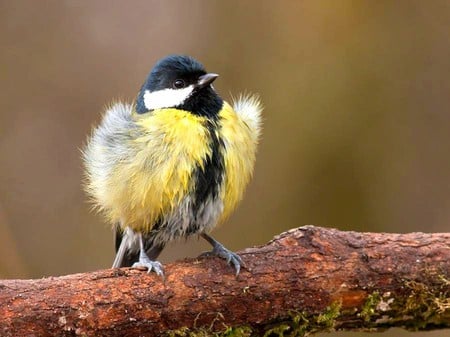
{"points": [[145, 262], [220, 251]]}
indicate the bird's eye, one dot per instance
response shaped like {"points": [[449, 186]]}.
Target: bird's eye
{"points": [[178, 84]]}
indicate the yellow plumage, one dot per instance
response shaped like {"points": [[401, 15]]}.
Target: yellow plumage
{"points": [[152, 172], [168, 146], [239, 155]]}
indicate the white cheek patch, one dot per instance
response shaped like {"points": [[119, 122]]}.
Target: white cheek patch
{"points": [[166, 98]]}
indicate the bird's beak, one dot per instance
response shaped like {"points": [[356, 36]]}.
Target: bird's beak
{"points": [[205, 80]]}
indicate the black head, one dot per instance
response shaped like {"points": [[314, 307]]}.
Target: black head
{"points": [[179, 82]]}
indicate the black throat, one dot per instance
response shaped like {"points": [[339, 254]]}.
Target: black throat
{"points": [[204, 103]]}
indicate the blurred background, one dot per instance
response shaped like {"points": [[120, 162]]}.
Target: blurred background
{"points": [[356, 125]]}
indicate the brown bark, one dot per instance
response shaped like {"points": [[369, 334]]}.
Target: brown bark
{"points": [[307, 279]]}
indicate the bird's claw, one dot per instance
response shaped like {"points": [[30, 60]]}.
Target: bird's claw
{"points": [[222, 252], [155, 266]]}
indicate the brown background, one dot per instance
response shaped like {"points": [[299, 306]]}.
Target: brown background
{"points": [[356, 126]]}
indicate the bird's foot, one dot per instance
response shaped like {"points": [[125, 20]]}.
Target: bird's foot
{"points": [[226, 254], [145, 262]]}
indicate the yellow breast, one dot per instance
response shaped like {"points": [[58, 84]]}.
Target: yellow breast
{"points": [[167, 147], [240, 142], [148, 170]]}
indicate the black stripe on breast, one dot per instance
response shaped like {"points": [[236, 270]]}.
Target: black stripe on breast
{"points": [[209, 178]]}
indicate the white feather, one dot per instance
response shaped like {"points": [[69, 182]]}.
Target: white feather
{"points": [[166, 98], [249, 108]]}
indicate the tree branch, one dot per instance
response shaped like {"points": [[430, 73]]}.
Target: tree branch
{"points": [[305, 280]]}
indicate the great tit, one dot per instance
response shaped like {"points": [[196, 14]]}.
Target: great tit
{"points": [[172, 164]]}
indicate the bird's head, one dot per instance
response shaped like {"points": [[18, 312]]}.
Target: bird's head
{"points": [[179, 82]]}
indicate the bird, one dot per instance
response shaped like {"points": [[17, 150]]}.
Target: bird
{"points": [[173, 163]]}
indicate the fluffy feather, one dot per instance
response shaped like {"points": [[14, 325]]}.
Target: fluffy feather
{"points": [[139, 168]]}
